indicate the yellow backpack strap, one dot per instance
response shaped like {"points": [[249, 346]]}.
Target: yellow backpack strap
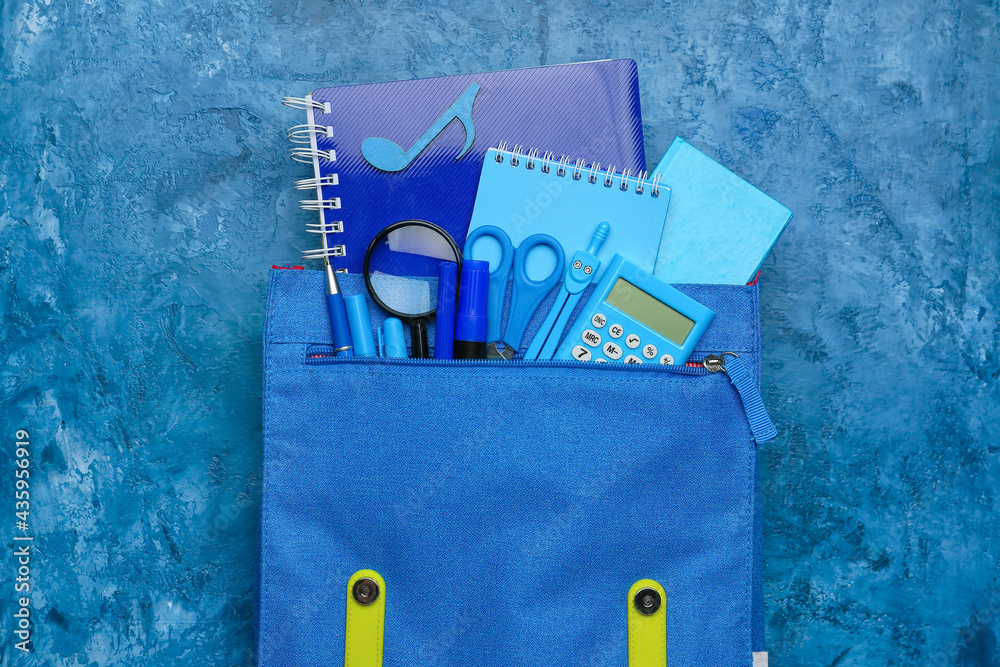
{"points": [[365, 619], [647, 624]]}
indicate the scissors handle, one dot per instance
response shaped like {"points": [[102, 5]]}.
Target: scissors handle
{"points": [[499, 275], [528, 293]]}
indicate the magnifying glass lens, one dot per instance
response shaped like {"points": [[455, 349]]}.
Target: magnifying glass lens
{"points": [[401, 270]]}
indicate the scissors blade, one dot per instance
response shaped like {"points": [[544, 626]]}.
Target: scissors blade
{"points": [[493, 352]]}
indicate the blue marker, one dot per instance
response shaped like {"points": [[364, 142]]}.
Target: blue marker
{"points": [[361, 325], [471, 320], [444, 336]]}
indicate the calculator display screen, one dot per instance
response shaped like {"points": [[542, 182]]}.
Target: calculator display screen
{"points": [[649, 310]]}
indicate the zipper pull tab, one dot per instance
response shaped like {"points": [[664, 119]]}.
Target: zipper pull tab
{"points": [[761, 425]]}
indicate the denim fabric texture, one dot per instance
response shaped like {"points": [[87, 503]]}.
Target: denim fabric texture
{"points": [[509, 506]]}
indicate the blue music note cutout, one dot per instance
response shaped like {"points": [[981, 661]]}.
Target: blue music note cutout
{"points": [[388, 156]]}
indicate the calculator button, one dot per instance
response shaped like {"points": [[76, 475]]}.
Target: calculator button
{"points": [[616, 331], [580, 353], [612, 351], [632, 359], [632, 340], [600, 360], [599, 320], [591, 337], [667, 359], [649, 351]]}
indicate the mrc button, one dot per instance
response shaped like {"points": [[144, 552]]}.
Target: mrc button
{"points": [[591, 337]]}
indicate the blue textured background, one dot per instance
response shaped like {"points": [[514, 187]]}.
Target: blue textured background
{"points": [[146, 189]]}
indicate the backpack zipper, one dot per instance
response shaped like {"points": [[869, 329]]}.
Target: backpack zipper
{"points": [[761, 426]]}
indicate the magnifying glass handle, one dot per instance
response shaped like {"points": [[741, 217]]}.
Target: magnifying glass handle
{"points": [[418, 339]]}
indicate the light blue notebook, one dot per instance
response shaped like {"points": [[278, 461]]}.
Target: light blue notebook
{"points": [[719, 228], [527, 193]]}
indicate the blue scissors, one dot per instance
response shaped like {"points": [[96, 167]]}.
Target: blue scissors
{"points": [[526, 293]]}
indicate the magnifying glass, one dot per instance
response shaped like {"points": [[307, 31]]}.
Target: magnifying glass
{"points": [[401, 272]]}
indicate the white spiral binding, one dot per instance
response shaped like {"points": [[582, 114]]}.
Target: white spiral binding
{"points": [[530, 164], [303, 103], [515, 156], [594, 168], [640, 185], [655, 187], [546, 158], [561, 169], [310, 153], [623, 184], [303, 134], [319, 204], [609, 177], [625, 180], [307, 155], [311, 183]]}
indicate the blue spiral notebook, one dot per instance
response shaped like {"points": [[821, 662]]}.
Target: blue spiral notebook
{"points": [[401, 150], [529, 192]]}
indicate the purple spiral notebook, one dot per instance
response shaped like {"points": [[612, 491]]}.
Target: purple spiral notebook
{"points": [[402, 150]]}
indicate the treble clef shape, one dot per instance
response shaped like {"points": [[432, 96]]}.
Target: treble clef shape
{"points": [[388, 156]]}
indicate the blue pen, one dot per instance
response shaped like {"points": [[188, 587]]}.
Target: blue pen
{"points": [[343, 346]]}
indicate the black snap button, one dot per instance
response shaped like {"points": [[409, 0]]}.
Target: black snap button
{"points": [[647, 601], [365, 591]]}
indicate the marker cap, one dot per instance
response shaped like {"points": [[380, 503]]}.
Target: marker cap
{"points": [[360, 324], [444, 325], [471, 319]]}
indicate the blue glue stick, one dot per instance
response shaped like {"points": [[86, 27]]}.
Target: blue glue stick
{"points": [[471, 319], [444, 336], [391, 339], [361, 325]]}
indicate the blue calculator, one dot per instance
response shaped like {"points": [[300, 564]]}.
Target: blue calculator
{"points": [[635, 318]]}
